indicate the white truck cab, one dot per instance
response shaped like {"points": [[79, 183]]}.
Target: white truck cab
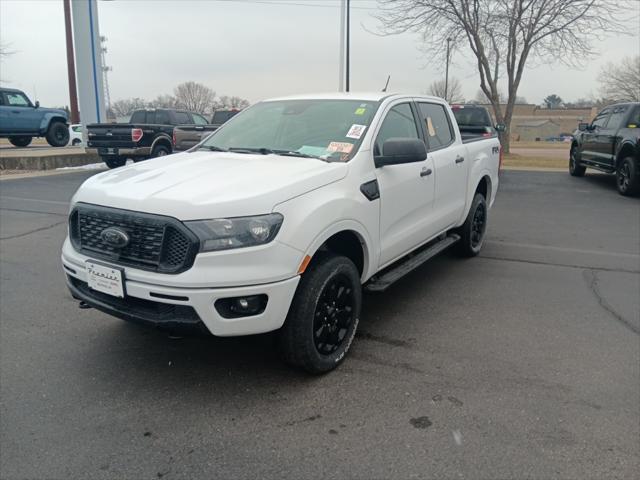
{"points": [[280, 218]]}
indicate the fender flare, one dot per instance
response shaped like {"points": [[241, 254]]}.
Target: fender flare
{"points": [[370, 259], [162, 136], [48, 118]]}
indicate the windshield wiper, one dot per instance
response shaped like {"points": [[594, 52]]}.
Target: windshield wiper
{"points": [[261, 150], [212, 148], [269, 151], [293, 153]]}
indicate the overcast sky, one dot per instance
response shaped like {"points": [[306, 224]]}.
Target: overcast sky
{"points": [[254, 49]]}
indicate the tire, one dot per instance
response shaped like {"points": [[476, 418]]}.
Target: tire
{"points": [[575, 168], [20, 141], [58, 134], [628, 177], [316, 336], [114, 162], [473, 229], [160, 151]]}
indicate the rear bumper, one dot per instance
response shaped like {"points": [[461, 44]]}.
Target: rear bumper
{"points": [[137, 152]]}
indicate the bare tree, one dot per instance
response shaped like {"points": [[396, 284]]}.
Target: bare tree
{"points": [[125, 107], [195, 97], [4, 53], [225, 102], [621, 83], [453, 91], [505, 36]]}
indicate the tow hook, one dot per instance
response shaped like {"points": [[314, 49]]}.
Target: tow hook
{"points": [[83, 305]]}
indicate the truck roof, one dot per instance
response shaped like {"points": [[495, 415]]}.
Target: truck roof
{"points": [[368, 96], [14, 90]]}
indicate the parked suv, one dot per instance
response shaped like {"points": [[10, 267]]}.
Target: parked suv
{"points": [[21, 120], [611, 144]]}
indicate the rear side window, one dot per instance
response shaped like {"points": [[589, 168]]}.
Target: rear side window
{"points": [[399, 123], [162, 117], [437, 125], [138, 117], [617, 117], [472, 117], [601, 118], [635, 118], [183, 118]]}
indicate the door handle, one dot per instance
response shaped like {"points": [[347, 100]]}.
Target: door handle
{"points": [[426, 172], [15, 111], [459, 159]]}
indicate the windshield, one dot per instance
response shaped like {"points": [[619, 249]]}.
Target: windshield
{"points": [[326, 129]]}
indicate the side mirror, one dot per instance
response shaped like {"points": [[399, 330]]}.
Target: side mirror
{"points": [[583, 127], [401, 150], [37, 104], [501, 127]]}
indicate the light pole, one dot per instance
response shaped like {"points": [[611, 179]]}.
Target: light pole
{"points": [[348, 44], [446, 77], [345, 34]]}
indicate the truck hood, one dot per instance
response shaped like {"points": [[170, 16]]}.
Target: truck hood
{"points": [[202, 185]]}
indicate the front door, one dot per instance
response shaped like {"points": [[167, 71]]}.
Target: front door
{"points": [[406, 190], [591, 147], [19, 113]]}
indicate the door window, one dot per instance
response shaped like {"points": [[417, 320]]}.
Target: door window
{"points": [[437, 125], [617, 117], [199, 119], [162, 117], [601, 119], [399, 123], [183, 118], [16, 99]]}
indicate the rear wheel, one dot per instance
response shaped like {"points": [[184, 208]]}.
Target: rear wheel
{"points": [[575, 168], [21, 141], [473, 229], [114, 162], [160, 151], [58, 134], [628, 177], [323, 316]]}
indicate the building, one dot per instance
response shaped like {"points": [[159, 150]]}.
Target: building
{"points": [[534, 130]]}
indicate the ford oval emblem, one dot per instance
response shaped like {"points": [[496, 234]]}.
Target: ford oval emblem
{"points": [[115, 237]]}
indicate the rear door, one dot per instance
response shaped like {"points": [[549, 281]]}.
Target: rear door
{"points": [[450, 165], [606, 138], [590, 147], [406, 190]]}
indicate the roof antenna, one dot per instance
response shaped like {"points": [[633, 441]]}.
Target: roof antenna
{"points": [[386, 84]]}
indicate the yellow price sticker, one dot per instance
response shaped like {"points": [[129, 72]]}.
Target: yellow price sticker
{"points": [[360, 111]]}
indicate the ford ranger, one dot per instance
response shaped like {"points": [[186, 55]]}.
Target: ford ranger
{"points": [[280, 219], [611, 144]]}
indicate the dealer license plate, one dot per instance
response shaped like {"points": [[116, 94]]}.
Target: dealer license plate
{"points": [[105, 278]]}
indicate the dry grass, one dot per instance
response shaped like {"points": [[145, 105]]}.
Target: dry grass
{"points": [[521, 161]]}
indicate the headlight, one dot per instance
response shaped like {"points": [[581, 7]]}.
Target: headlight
{"points": [[226, 233]]}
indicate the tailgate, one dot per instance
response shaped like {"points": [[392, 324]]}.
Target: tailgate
{"points": [[110, 135]]}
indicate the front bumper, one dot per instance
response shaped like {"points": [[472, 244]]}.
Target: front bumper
{"points": [[173, 305]]}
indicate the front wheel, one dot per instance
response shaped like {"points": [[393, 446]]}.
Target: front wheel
{"points": [[58, 134], [323, 316], [628, 177], [114, 162], [473, 229], [575, 168], [21, 141]]}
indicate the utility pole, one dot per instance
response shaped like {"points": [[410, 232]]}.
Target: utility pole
{"points": [[348, 45], [341, 66], [105, 70], [446, 77], [71, 66]]}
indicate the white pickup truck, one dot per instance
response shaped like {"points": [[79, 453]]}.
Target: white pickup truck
{"points": [[281, 218]]}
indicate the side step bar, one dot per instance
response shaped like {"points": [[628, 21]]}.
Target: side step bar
{"points": [[379, 283]]}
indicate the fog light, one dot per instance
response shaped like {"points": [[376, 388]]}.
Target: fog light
{"points": [[235, 307]]}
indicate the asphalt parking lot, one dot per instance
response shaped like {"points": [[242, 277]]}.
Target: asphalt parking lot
{"points": [[522, 363]]}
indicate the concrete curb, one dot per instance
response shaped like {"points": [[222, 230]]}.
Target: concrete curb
{"points": [[46, 162]]}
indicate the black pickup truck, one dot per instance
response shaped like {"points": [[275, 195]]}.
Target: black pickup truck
{"points": [[611, 144], [147, 135]]}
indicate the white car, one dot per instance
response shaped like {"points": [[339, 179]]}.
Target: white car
{"points": [[75, 135], [280, 218]]}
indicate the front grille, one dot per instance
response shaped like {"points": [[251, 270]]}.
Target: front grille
{"points": [[156, 243]]}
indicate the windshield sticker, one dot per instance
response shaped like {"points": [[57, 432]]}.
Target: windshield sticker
{"points": [[356, 131], [342, 147], [360, 111], [432, 131]]}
